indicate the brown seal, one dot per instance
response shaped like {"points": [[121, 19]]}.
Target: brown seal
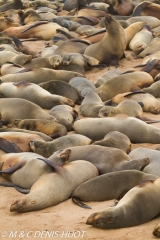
{"points": [[108, 50], [15, 4], [122, 214], [114, 86], [53, 184]]}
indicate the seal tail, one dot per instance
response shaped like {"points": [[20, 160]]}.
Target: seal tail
{"points": [[78, 202], [19, 189]]}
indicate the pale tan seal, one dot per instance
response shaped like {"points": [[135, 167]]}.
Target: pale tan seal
{"points": [[65, 115], [17, 167], [50, 127], [17, 108], [54, 186], [39, 96], [91, 105], [114, 86], [150, 103], [21, 139], [67, 141], [109, 186], [126, 212], [21, 59], [153, 47], [141, 40], [39, 75], [115, 139], [43, 30], [152, 22], [109, 50], [61, 88], [97, 128], [6, 22]]}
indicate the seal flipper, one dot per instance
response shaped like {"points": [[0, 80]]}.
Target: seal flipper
{"points": [[78, 202], [34, 25], [19, 189], [14, 168], [50, 163], [8, 146]]}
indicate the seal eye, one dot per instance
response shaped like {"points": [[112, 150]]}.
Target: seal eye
{"points": [[105, 114]]}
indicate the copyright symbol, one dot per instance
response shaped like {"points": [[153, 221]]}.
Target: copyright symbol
{"points": [[4, 234]]}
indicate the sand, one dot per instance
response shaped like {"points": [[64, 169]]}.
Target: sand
{"points": [[66, 220]]}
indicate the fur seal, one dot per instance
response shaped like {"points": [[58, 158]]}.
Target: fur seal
{"points": [[150, 103], [123, 7], [152, 22], [132, 29], [15, 4], [61, 88], [21, 139], [49, 127], [6, 23], [17, 108], [23, 169], [106, 159], [54, 186], [65, 115], [126, 212], [83, 85], [147, 8], [110, 185], [43, 30], [115, 139], [107, 75], [153, 89], [108, 50], [39, 96], [21, 59], [153, 155], [67, 141], [137, 81], [38, 75], [128, 107], [153, 47], [97, 128], [141, 40], [91, 105], [42, 135]]}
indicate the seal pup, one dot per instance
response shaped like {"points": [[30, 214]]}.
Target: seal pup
{"points": [[106, 159], [91, 105], [65, 115], [108, 50], [61, 88], [67, 141], [137, 81], [83, 85], [115, 139], [50, 127], [8, 56], [53, 185], [150, 103], [109, 186], [128, 107], [17, 167], [39, 96], [126, 212], [97, 128]]}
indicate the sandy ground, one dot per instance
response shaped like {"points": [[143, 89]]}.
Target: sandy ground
{"points": [[66, 220]]}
